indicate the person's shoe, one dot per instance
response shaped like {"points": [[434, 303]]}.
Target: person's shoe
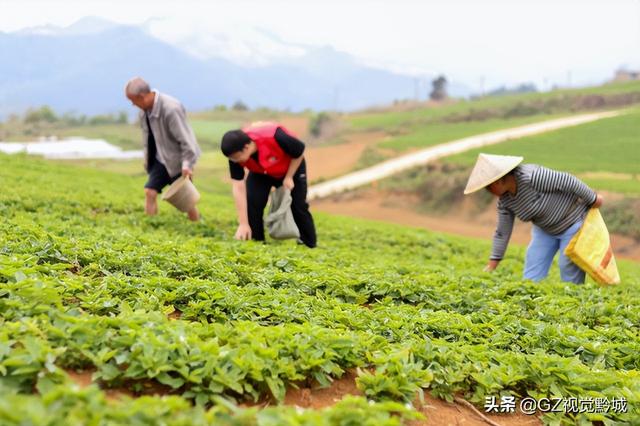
{"points": [[299, 241]]}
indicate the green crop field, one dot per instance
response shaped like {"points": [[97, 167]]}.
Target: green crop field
{"points": [[609, 145], [128, 136], [629, 186], [209, 132], [87, 282], [433, 134], [548, 102], [421, 126], [211, 169]]}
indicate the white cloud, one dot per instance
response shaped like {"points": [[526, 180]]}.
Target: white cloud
{"points": [[244, 45], [497, 41]]}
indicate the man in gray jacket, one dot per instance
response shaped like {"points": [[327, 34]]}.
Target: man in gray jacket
{"points": [[170, 146]]}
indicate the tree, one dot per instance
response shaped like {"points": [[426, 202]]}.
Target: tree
{"points": [[317, 123], [123, 118], [44, 114], [240, 106], [73, 119], [439, 91]]}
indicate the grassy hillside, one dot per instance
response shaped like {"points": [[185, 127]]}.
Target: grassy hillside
{"points": [[209, 173], [128, 136], [89, 283], [428, 125], [436, 133], [605, 154], [209, 126], [611, 146], [516, 104], [209, 132], [403, 128]]}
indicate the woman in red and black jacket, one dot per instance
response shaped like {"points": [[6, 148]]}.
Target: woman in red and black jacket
{"points": [[273, 157]]}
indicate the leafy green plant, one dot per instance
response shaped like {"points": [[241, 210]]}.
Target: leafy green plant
{"points": [[87, 282]]}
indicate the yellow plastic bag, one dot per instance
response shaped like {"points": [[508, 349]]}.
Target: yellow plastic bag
{"points": [[590, 249]]}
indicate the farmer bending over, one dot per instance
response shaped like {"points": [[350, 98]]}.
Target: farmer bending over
{"points": [[170, 146], [556, 203], [273, 157]]}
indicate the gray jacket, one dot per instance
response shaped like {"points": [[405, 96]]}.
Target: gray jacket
{"points": [[175, 141]]}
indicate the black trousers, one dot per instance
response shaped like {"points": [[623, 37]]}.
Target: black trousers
{"points": [[258, 189]]}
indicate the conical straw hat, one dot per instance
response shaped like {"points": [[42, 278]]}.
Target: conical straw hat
{"points": [[488, 169]]}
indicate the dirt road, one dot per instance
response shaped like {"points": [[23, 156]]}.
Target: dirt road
{"points": [[408, 161]]}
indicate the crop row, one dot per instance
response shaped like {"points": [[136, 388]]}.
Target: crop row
{"points": [[239, 359]]}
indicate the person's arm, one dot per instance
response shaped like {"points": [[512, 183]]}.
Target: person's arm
{"points": [[293, 168], [144, 126], [240, 197], [239, 190], [501, 237], [547, 180], [294, 148], [598, 202], [182, 132]]}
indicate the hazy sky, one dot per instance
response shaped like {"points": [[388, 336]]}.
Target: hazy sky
{"points": [[542, 41]]}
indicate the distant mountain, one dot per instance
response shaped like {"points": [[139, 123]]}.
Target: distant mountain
{"points": [[84, 67], [86, 25]]}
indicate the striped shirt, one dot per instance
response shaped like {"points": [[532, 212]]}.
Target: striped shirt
{"points": [[550, 199]]}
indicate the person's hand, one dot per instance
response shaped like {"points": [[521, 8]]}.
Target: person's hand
{"points": [[243, 233], [598, 202], [288, 183], [491, 266], [187, 173]]}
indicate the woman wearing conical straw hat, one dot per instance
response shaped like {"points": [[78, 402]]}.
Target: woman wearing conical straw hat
{"points": [[556, 203]]}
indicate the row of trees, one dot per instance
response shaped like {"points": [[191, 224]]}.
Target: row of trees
{"points": [[46, 115], [237, 106], [438, 93]]}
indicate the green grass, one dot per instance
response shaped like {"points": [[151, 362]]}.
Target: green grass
{"points": [[243, 117], [209, 172], [397, 119], [605, 154], [209, 132], [630, 187], [87, 282], [607, 145], [436, 133], [129, 136], [427, 126], [126, 136]]}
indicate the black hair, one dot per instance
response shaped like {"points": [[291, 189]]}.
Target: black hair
{"points": [[234, 141]]}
